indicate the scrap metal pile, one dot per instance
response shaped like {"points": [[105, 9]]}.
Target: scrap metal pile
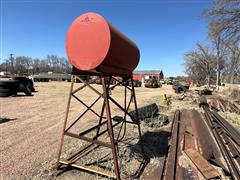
{"points": [[202, 146], [224, 105]]}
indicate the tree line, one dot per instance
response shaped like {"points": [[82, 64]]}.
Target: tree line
{"points": [[218, 61], [24, 65]]}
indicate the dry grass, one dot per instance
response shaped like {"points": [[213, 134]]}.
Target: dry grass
{"points": [[231, 92], [32, 126], [32, 138]]}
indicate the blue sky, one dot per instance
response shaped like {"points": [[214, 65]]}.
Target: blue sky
{"points": [[163, 30]]}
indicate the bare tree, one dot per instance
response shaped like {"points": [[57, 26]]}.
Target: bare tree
{"points": [[232, 65], [36, 66], [194, 68], [208, 60], [200, 64], [224, 20], [217, 44], [220, 51], [44, 66], [57, 64], [6, 66], [224, 30], [24, 65], [11, 59]]}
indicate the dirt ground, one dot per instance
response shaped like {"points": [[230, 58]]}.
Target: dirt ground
{"points": [[32, 126]]}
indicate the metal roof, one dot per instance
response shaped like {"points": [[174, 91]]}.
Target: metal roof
{"points": [[147, 72], [53, 76]]}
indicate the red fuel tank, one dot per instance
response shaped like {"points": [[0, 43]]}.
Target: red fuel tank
{"points": [[92, 43]]}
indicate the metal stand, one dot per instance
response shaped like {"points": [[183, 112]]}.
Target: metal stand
{"points": [[105, 81]]}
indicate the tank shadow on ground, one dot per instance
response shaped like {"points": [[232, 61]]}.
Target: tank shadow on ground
{"points": [[155, 145], [21, 95], [18, 95], [4, 120]]}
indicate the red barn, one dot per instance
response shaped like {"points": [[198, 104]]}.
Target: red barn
{"points": [[142, 75]]}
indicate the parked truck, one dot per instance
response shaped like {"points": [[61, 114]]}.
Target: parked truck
{"points": [[152, 83]]}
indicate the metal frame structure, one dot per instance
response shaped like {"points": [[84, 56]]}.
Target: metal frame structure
{"points": [[113, 145]]}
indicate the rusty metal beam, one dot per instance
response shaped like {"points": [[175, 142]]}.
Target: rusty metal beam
{"points": [[79, 117], [223, 148], [65, 120], [88, 139], [171, 165], [105, 108], [84, 85], [202, 164], [110, 128], [89, 168]]}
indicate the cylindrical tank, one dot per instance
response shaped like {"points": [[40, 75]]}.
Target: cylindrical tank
{"points": [[92, 43]]}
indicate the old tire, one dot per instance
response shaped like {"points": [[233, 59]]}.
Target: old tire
{"points": [[30, 85], [6, 94], [154, 85], [25, 89], [178, 89], [8, 88], [5, 90], [26, 81]]}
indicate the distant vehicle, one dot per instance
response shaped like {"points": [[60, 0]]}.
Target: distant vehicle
{"points": [[136, 83], [152, 83], [2, 73], [180, 87], [162, 81], [169, 81], [99, 81]]}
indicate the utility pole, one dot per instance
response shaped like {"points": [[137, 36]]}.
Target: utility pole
{"points": [[218, 59], [11, 60]]}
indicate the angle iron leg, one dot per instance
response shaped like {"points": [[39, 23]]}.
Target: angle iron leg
{"points": [[110, 128], [136, 110], [65, 120], [100, 120]]}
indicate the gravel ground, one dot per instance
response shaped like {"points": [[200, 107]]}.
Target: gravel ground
{"points": [[32, 125], [30, 130]]}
